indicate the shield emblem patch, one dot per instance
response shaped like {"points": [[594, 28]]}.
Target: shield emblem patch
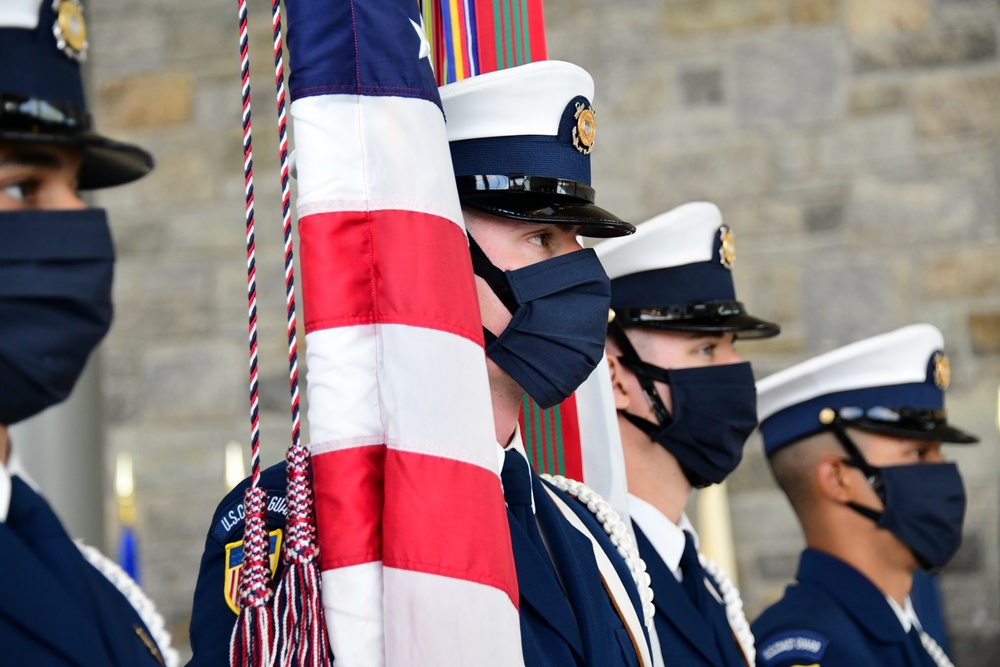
{"points": [[234, 565]]}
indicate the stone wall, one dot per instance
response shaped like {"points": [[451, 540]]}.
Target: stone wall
{"points": [[852, 144]]}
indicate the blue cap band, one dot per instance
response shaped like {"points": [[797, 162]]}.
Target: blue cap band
{"points": [[690, 283], [802, 419], [33, 66], [533, 155]]}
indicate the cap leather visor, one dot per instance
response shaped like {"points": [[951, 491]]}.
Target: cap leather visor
{"points": [[745, 326], [942, 432], [106, 162], [592, 219]]}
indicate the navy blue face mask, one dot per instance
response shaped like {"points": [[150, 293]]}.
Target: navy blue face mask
{"points": [[56, 271], [714, 412], [559, 309], [923, 504]]}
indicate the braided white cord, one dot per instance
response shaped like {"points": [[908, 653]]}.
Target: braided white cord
{"points": [[934, 650], [136, 597], [734, 607], [618, 533]]}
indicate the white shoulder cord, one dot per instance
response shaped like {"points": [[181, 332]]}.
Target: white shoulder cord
{"points": [[618, 533], [937, 653], [143, 606], [734, 607]]}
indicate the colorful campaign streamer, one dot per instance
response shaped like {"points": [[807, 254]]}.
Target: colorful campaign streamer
{"points": [[470, 37]]}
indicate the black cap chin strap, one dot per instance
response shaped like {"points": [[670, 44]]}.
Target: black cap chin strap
{"points": [[495, 278], [856, 459], [646, 374]]}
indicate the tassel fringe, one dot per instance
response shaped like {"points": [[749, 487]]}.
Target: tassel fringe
{"points": [[253, 641], [298, 608]]}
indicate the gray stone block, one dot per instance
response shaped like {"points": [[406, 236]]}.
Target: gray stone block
{"points": [[895, 212], [955, 45], [185, 380], [677, 176], [868, 98], [788, 81], [824, 218], [975, 649], [886, 139], [702, 86], [845, 302]]}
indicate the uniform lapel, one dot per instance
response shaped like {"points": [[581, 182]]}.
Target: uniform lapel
{"points": [[673, 605], [540, 590], [34, 598], [573, 555], [854, 592], [864, 602]]}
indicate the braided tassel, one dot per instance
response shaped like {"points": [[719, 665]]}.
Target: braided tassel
{"points": [[253, 641], [298, 608]]}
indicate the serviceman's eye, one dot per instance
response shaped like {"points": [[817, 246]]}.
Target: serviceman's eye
{"points": [[542, 240], [708, 349], [17, 191]]}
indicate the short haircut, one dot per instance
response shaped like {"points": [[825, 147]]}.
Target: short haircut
{"points": [[794, 468]]}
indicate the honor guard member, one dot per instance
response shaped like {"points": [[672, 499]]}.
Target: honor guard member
{"points": [[58, 605], [686, 405], [521, 140], [854, 440]]}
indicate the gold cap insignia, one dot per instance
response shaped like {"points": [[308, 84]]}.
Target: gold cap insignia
{"points": [[727, 252], [586, 128], [69, 29], [942, 371], [827, 415]]}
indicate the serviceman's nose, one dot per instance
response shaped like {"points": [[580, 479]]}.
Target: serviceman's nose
{"points": [[730, 355], [65, 198]]}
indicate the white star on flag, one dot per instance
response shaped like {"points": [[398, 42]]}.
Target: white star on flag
{"points": [[425, 47]]}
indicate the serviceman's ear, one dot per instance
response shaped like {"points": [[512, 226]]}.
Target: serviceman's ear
{"points": [[618, 378], [833, 479]]}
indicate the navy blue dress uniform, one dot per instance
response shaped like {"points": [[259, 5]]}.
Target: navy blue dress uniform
{"points": [[56, 608], [215, 595], [835, 616], [926, 598], [59, 605], [691, 623], [566, 618], [675, 275], [892, 385], [520, 141]]}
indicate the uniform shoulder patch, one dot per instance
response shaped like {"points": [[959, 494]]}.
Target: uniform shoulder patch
{"points": [[234, 565], [229, 522], [803, 645]]}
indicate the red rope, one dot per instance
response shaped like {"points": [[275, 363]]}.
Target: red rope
{"points": [[252, 641], [298, 608]]}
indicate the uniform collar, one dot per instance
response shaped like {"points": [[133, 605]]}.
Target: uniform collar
{"points": [[4, 492], [906, 614], [854, 591], [666, 536], [517, 445], [12, 468]]}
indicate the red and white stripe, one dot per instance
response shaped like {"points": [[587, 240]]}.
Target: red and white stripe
{"points": [[415, 550]]}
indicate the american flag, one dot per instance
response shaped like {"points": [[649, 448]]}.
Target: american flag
{"points": [[416, 559]]}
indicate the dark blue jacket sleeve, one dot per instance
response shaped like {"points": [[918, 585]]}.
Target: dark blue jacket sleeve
{"points": [[212, 616]]}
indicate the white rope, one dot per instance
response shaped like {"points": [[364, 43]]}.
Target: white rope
{"points": [[934, 650], [618, 533], [136, 597], [734, 607]]}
